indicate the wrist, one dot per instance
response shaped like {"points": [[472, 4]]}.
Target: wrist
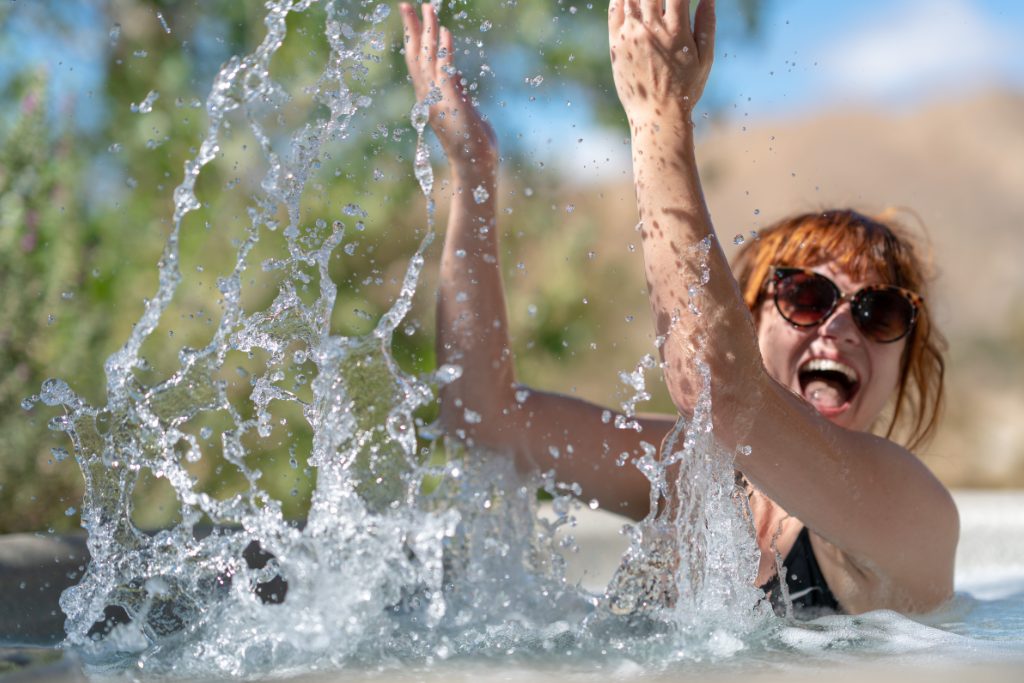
{"points": [[468, 174], [661, 126]]}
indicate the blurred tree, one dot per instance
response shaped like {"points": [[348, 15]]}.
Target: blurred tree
{"points": [[42, 269], [84, 211]]}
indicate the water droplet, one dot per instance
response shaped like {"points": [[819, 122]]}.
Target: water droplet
{"points": [[56, 392], [480, 194], [757, 212], [146, 105], [532, 310], [115, 34], [744, 450], [535, 81], [205, 433], [70, 512], [354, 210], [738, 239], [485, 26], [472, 417], [380, 13], [59, 454], [163, 22], [593, 504]]}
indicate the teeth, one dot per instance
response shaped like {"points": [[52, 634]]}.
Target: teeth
{"points": [[826, 365]]}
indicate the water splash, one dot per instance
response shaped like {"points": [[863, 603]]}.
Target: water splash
{"points": [[694, 559], [379, 571]]}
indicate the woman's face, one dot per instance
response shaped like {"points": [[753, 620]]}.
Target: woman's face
{"points": [[847, 377]]}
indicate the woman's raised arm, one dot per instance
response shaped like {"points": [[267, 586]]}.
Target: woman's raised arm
{"points": [[887, 527], [485, 406]]}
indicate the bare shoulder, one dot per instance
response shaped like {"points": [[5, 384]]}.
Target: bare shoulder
{"points": [[906, 544]]}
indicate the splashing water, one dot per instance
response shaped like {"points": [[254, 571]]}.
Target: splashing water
{"points": [[380, 571]]}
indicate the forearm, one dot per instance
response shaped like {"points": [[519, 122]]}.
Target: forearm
{"points": [[472, 323], [696, 302], [580, 442]]}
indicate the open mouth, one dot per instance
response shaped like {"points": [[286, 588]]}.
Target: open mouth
{"points": [[828, 385]]}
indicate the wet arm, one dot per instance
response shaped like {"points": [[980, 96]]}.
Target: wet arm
{"points": [[484, 406], [872, 500]]}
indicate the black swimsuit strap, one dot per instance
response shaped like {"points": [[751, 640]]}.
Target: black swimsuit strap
{"points": [[807, 586]]}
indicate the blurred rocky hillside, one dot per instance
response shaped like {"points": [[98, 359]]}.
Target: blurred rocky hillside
{"points": [[957, 165]]}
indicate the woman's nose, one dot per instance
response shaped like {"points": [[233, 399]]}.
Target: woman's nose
{"points": [[840, 325]]}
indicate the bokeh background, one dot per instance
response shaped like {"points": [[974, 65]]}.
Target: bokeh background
{"points": [[872, 104]]}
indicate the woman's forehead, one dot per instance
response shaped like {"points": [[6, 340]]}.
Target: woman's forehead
{"points": [[846, 280], [859, 268]]}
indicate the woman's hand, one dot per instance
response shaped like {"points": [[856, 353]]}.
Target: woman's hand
{"points": [[467, 139], [659, 63]]}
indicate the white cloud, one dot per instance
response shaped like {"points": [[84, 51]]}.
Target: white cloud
{"points": [[918, 45]]}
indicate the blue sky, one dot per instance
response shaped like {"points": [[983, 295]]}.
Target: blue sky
{"points": [[874, 52], [72, 54], [810, 55], [816, 55]]}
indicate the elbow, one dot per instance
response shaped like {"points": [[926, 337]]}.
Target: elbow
{"points": [[482, 420]]}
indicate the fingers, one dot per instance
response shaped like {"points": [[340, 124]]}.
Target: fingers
{"points": [[430, 28], [412, 30], [632, 9], [446, 62], [704, 31], [651, 10], [446, 53], [616, 14], [677, 14]]}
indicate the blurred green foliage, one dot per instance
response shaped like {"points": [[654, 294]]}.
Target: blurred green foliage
{"points": [[84, 214]]}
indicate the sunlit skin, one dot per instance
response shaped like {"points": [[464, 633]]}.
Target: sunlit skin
{"points": [[786, 347], [883, 529]]}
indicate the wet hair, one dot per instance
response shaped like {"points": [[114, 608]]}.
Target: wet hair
{"points": [[865, 248]]}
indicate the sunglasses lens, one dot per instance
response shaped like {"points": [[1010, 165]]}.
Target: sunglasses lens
{"points": [[884, 315], [804, 299]]}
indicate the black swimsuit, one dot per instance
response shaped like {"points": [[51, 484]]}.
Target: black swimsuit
{"points": [[808, 589]]}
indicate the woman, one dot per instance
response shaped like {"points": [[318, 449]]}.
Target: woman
{"points": [[824, 331]]}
